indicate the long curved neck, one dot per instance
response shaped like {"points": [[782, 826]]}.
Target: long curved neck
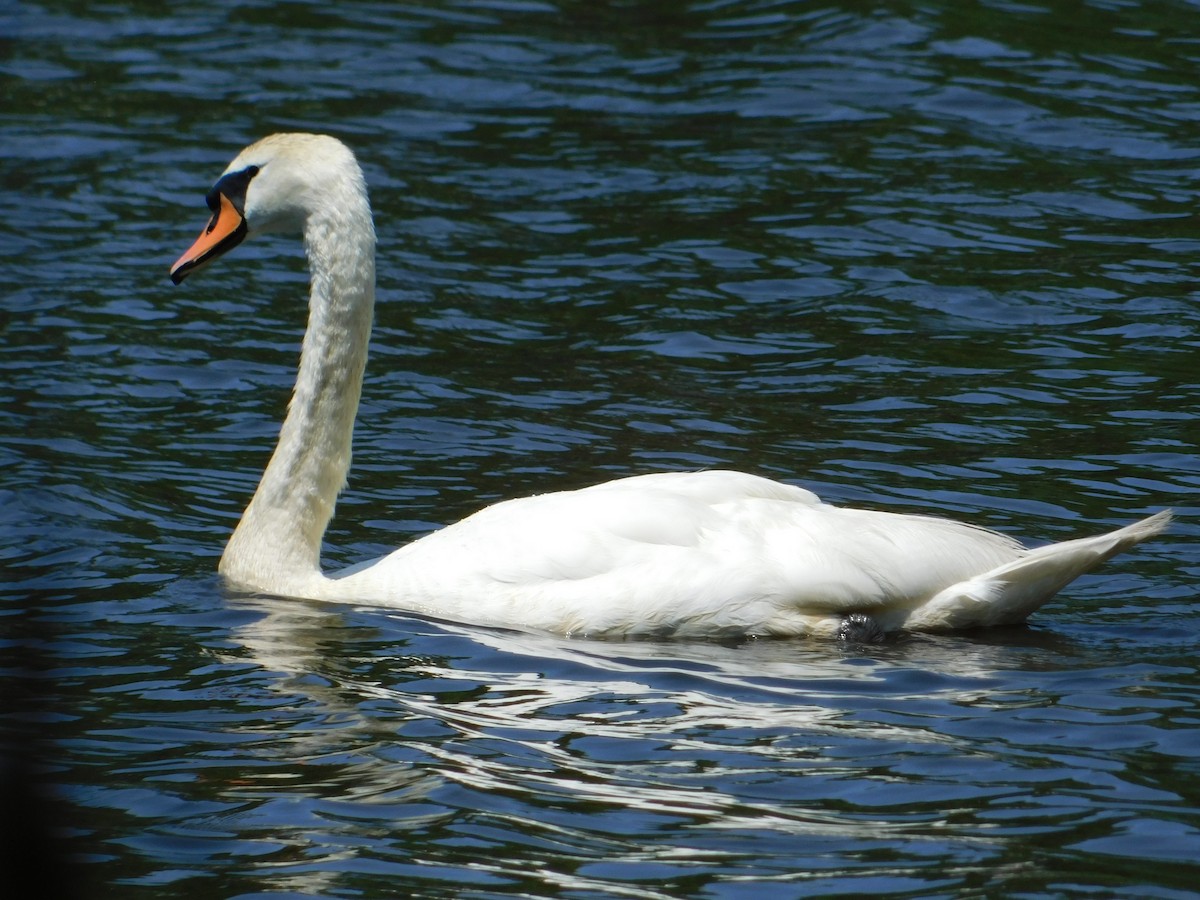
{"points": [[277, 545]]}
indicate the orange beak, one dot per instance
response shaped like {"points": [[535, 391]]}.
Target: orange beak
{"points": [[224, 231]]}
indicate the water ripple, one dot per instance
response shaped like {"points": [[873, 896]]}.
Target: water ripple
{"points": [[930, 259]]}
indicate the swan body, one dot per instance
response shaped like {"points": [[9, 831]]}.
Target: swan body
{"points": [[700, 554]]}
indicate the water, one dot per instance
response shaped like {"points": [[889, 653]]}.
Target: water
{"points": [[933, 257]]}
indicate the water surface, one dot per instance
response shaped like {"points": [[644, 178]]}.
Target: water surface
{"points": [[922, 257]]}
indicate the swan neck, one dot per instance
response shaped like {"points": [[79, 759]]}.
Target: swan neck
{"points": [[277, 544]]}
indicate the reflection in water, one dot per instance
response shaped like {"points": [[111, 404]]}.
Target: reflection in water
{"points": [[596, 742]]}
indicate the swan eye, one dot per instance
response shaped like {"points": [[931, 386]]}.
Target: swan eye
{"points": [[233, 186]]}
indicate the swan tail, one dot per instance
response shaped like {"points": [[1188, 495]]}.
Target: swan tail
{"points": [[1008, 594]]}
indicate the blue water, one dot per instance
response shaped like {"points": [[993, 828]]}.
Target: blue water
{"points": [[923, 257]]}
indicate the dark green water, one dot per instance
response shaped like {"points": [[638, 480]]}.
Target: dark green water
{"points": [[916, 256]]}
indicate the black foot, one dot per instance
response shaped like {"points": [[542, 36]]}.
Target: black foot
{"points": [[859, 628]]}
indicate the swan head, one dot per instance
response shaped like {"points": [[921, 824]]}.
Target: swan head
{"points": [[273, 185]]}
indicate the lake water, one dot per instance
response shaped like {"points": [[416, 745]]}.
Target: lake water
{"points": [[921, 257]]}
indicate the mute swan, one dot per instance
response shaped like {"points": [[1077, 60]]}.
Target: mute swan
{"points": [[700, 554]]}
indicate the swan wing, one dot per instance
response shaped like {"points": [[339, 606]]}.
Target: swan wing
{"points": [[705, 553]]}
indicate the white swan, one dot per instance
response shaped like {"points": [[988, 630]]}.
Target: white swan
{"points": [[703, 554]]}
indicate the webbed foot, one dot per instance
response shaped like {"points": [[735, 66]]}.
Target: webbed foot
{"points": [[859, 628]]}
